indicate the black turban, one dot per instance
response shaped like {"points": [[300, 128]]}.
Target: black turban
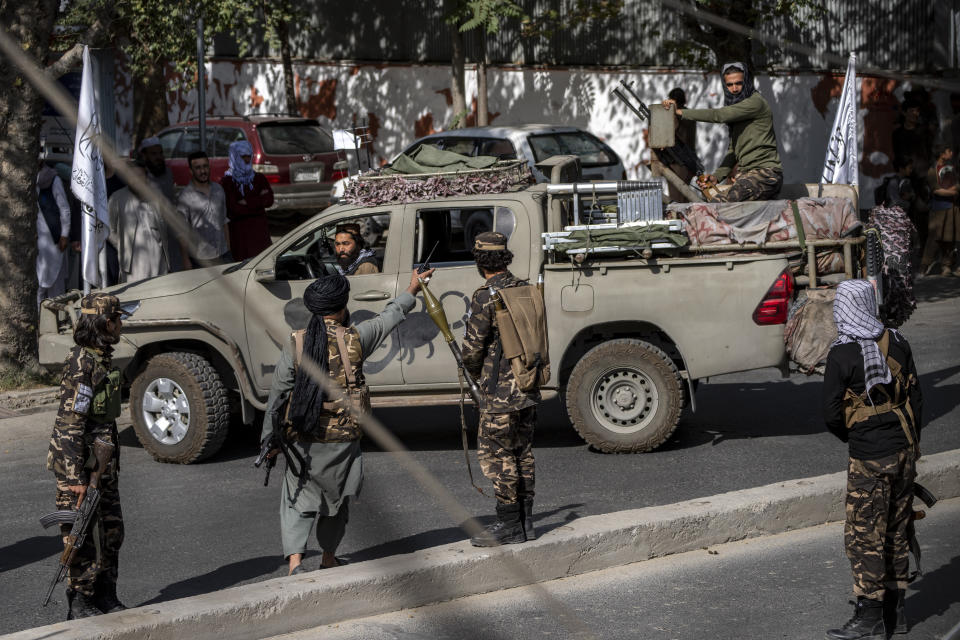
{"points": [[325, 297]]}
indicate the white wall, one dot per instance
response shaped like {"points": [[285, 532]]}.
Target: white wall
{"points": [[405, 101]]}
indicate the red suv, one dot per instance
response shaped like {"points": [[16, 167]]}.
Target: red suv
{"points": [[295, 154]]}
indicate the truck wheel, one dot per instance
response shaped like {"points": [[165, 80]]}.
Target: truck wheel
{"points": [[624, 396], [179, 408]]}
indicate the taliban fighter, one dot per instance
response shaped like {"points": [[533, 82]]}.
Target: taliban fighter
{"points": [[353, 258], [872, 400], [753, 142], [89, 407], [509, 415], [323, 430]]}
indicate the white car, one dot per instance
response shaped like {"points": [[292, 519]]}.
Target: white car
{"points": [[530, 142], [533, 143]]}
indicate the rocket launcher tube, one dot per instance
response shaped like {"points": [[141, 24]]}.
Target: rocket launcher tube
{"points": [[439, 317]]}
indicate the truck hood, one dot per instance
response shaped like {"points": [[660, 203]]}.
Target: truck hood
{"points": [[169, 285]]}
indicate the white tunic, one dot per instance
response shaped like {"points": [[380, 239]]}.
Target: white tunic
{"points": [[139, 234], [49, 257]]}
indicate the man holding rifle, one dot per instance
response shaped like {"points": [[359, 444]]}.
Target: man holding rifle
{"points": [[509, 413], [89, 407], [872, 400], [323, 432], [753, 142]]}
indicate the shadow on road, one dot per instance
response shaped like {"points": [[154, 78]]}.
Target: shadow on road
{"points": [[224, 577], [935, 592], [936, 288], [450, 535], [28, 551]]}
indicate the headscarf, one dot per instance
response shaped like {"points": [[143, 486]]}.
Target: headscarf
{"points": [[748, 88], [854, 311], [325, 296], [363, 256], [241, 172]]}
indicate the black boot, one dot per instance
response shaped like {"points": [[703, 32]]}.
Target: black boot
{"points": [[528, 529], [866, 623], [506, 530], [894, 610], [105, 597], [80, 606]]}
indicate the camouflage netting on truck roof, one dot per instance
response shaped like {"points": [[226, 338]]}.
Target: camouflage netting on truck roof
{"points": [[436, 174]]}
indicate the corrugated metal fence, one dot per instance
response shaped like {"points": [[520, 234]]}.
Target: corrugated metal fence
{"points": [[905, 35]]}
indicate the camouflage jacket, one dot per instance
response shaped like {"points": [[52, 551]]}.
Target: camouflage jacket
{"points": [[89, 407], [481, 344]]}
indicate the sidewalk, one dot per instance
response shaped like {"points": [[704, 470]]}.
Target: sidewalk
{"points": [[587, 544], [788, 586]]}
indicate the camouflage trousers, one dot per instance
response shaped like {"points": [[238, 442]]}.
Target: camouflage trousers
{"points": [[96, 561], [505, 451], [879, 507], [756, 184]]}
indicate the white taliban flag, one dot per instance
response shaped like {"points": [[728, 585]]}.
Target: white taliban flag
{"points": [[841, 165], [87, 180]]}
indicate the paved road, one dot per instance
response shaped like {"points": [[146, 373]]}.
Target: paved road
{"points": [[792, 586], [194, 529]]}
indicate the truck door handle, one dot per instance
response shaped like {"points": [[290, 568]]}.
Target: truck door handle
{"points": [[372, 295]]}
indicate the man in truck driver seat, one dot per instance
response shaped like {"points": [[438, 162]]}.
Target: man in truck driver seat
{"points": [[509, 414], [872, 400], [753, 143], [353, 258]]}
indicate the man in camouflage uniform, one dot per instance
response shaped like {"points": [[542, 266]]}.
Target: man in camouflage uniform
{"points": [[872, 400], [509, 415], [89, 407]]}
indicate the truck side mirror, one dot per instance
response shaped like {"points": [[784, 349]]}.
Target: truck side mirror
{"points": [[266, 273]]}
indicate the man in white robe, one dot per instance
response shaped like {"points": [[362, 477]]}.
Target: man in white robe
{"points": [[53, 233], [139, 234]]}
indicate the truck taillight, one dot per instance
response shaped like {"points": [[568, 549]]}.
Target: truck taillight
{"points": [[775, 305], [270, 171]]}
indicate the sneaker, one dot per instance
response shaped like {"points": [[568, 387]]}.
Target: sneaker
{"points": [[945, 271]]}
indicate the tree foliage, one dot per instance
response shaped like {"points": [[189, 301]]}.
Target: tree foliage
{"points": [[706, 46]]}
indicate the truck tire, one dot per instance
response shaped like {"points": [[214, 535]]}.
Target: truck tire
{"points": [[179, 408], [624, 396]]}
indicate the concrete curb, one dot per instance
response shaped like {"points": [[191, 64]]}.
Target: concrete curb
{"points": [[30, 399], [284, 605]]}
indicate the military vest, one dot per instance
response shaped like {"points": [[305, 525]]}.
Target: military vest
{"points": [[856, 409], [337, 422]]}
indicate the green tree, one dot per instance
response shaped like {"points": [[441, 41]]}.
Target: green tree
{"points": [[152, 35], [485, 17], [31, 24], [705, 45]]}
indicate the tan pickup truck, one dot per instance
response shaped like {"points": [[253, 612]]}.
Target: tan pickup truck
{"points": [[630, 332]]}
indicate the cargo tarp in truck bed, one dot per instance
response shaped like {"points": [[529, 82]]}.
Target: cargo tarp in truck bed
{"points": [[766, 221]]}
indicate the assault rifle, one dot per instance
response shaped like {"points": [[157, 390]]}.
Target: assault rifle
{"points": [[928, 499], [275, 443], [82, 516]]}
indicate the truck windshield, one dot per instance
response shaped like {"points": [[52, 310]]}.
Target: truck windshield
{"points": [[294, 138]]}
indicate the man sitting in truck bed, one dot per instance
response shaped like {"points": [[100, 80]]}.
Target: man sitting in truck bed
{"points": [[753, 143]]}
